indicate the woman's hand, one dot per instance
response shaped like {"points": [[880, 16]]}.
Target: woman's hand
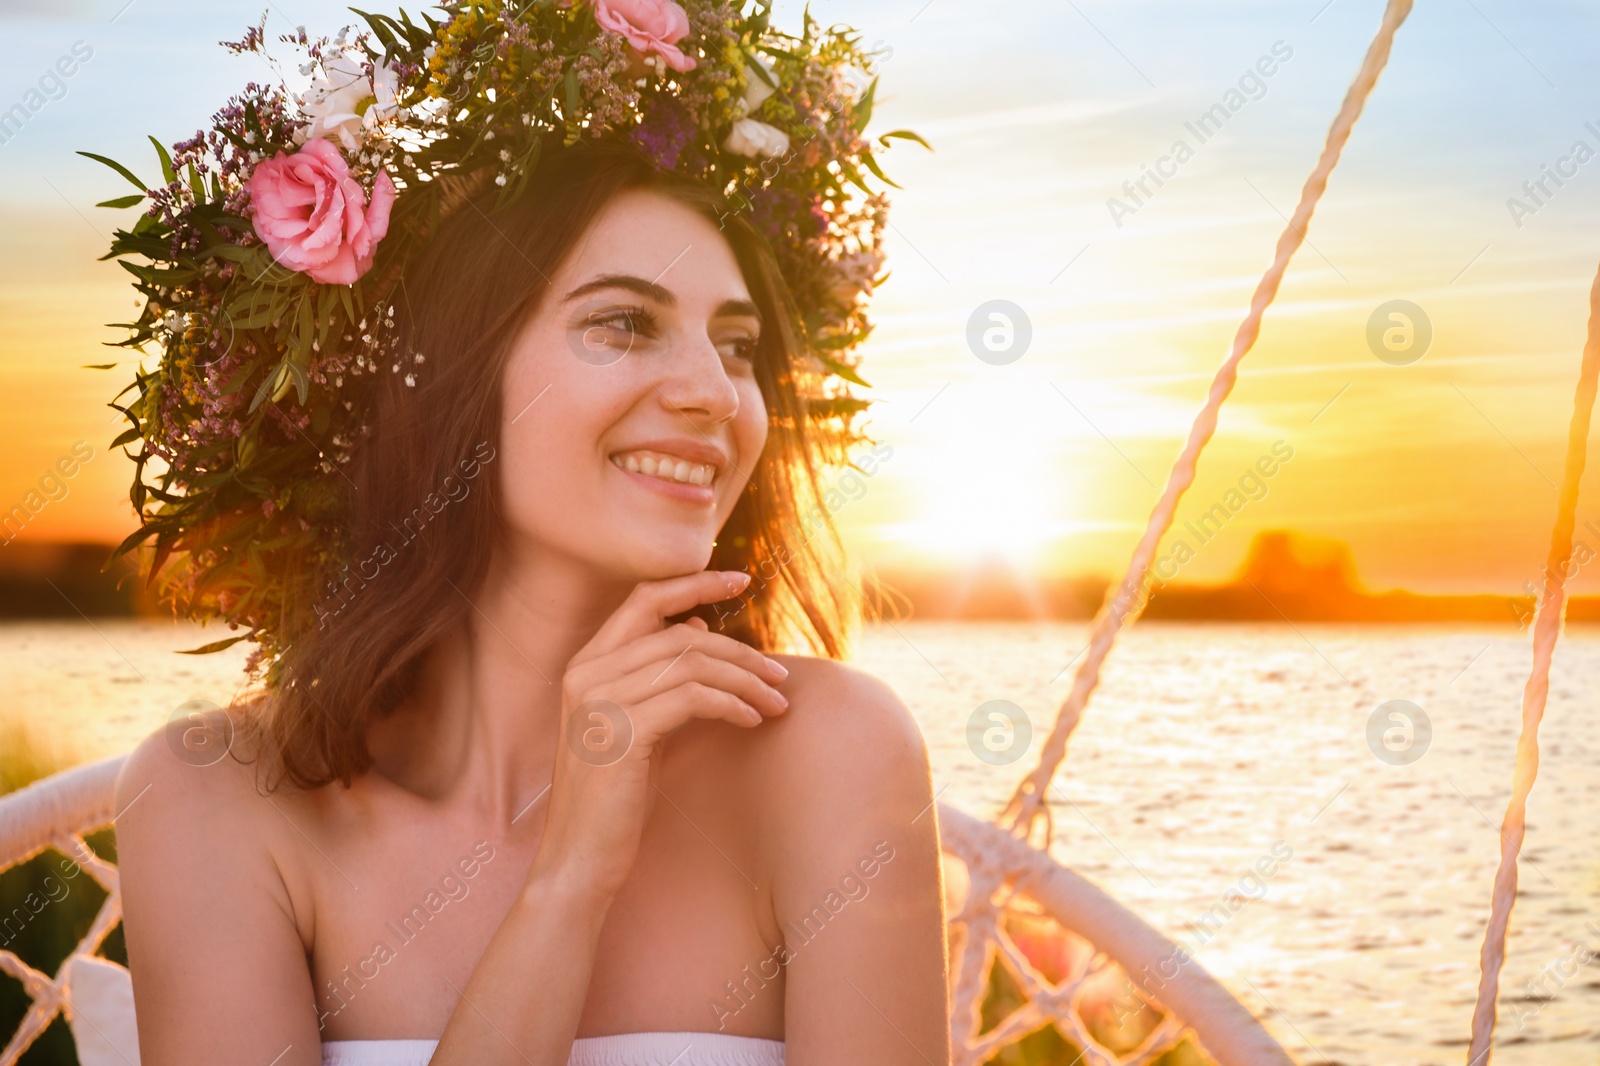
{"points": [[635, 682]]}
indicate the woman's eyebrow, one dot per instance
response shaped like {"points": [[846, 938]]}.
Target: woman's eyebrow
{"points": [[650, 290]]}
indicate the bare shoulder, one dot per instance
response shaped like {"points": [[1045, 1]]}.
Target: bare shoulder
{"points": [[847, 741], [187, 774], [189, 814], [218, 957]]}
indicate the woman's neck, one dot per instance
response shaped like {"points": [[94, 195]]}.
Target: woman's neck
{"points": [[480, 728]]}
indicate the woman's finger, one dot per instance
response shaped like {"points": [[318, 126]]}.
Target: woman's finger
{"points": [[652, 602], [666, 644], [660, 714], [692, 667]]}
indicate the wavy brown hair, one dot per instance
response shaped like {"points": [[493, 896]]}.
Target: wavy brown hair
{"points": [[356, 655]]}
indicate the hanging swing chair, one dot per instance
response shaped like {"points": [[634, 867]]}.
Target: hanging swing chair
{"points": [[1000, 869]]}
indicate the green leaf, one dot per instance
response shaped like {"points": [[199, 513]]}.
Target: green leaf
{"points": [[215, 645], [305, 322], [905, 135], [166, 161], [756, 24], [302, 383], [839, 368], [97, 366], [130, 542], [572, 94], [325, 303], [853, 176], [755, 69], [383, 32], [122, 201], [237, 253], [263, 392], [872, 165], [118, 167], [864, 107]]}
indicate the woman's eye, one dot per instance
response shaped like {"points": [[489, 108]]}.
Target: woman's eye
{"points": [[609, 335], [745, 347], [632, 320]]}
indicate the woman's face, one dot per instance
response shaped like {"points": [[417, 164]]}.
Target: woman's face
{"points": [[632, 418]]}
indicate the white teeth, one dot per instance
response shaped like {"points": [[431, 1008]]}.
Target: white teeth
{"points": [[666, 467]]}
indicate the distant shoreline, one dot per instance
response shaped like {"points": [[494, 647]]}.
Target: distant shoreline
{"points": [[1277, 584]]}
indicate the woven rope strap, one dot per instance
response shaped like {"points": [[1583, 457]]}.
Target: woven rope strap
{"points": [[1124, 601]]}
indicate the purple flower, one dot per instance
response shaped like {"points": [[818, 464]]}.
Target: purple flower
{"points": [[780, 212], [664, 132]]}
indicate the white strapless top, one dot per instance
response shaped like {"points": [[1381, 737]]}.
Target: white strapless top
{"points": [[105, 1029], [624, 1049]]}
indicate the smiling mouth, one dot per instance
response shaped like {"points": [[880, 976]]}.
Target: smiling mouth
{"points": [[666, 467]]}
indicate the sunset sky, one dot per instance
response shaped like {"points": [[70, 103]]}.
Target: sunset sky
{"points": [[1440, 474]]}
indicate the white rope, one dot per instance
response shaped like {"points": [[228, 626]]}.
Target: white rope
{"points": [[1125, 600], [1546, 629]]}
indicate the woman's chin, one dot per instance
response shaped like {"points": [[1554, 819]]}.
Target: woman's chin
{"points": [[655, 554]]}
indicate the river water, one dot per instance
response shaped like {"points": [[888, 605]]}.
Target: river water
{"points": [[1208, 747]]}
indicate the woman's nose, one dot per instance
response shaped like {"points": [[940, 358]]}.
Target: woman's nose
{"points": [[697, 384]]}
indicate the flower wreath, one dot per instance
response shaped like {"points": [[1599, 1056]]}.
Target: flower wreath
{"points": [[272, 250]]}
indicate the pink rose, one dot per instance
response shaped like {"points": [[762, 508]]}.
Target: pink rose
{"points": [[313, 215], [649, 25]]}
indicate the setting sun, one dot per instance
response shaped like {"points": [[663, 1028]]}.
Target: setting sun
{"points": [[976, 490]]}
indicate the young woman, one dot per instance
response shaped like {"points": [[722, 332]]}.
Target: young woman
{"points": [[534, 791]]}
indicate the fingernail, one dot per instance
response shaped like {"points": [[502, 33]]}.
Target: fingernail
{"points": [[778, 668], [736, 579], [783, 701]]}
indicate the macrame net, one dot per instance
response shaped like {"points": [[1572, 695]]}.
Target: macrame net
{"points": [[1005, 865]]}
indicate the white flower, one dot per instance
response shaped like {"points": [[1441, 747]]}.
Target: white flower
{"points": [[756, 91], [345, 102], [752, 138]]}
